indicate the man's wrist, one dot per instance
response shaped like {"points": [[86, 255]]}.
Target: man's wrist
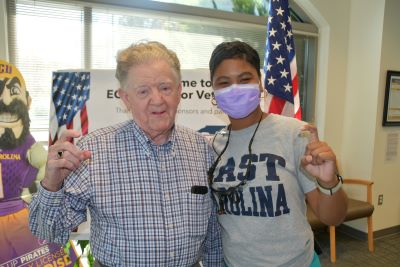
{"points": [[51, 186], [330, 189]]}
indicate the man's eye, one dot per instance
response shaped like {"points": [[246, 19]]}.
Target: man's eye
{"points": [[166, 90], [143, 92], [245, 80], [15, 90]]}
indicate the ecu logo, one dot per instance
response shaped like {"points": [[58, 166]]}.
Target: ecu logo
{"points": [[5, 68]]}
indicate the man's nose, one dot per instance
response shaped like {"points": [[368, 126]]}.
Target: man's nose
{"points": [[157, 97]]}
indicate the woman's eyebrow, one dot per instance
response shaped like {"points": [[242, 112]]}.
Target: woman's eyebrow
{"points": [[247, 73]]}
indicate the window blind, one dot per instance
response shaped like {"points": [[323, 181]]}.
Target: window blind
{"points": [[45, 36]]}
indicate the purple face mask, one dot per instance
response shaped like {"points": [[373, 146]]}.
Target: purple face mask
{"points": [[238, 100]]}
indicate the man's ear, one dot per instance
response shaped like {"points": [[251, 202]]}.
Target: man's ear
{"points": [[179, 91], [124, 97], [260, 85]]}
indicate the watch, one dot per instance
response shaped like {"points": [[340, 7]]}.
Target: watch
{"points": [[332, 190]]}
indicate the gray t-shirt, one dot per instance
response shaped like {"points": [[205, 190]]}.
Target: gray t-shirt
{"points": [[267, 226]]}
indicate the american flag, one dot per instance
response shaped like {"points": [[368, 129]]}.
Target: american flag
{"points": [[281, 80], [70, 91]]}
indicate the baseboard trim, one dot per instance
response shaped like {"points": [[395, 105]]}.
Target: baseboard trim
{"points": [[364, 236], [387, 231]]}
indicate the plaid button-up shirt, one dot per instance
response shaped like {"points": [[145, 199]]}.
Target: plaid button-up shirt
{"points": [[139, 197]]}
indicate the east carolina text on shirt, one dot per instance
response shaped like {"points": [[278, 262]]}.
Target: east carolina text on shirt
{"points": [[267, 200]]}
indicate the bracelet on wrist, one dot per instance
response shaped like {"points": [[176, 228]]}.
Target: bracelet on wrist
{"points": [[332, 190]]}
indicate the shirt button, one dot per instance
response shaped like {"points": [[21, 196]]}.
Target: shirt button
{"points": [[167, 196], [170, 226], [172, 254]]}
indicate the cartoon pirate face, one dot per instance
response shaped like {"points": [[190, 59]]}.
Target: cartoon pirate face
{"points": [[14, 106]]}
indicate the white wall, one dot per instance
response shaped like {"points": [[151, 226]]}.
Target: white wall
{"points": [[358, 43], [386, 174], [362, 89]]}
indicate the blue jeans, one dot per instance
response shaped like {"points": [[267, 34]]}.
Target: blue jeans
{"points": [[315, 262]]}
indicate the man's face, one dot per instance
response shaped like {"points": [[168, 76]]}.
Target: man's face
{"points": [[14, 104], [152, 95]]}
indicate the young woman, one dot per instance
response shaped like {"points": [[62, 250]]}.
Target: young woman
{"points": [[267, 167]]}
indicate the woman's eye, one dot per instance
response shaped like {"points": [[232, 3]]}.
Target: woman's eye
{"points": [[223, 84]]}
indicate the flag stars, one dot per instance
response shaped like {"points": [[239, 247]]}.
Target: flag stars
{"points": [[59, 103], [269, 67], [288, 88], [283, 25], [289, 48], [289, 34], [276, 45], [271, 80], [270, 19], [284, 73], [69, 107], [279, 60], [272, 32], [280, 11]]}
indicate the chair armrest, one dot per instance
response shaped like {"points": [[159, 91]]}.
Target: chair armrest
{"points": [[367, 183], [358, 181]]}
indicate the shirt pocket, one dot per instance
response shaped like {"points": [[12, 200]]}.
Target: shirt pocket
{"points": [[198, 212]]}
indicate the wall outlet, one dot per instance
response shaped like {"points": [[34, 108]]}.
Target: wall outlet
{"points": [[380, 199]]}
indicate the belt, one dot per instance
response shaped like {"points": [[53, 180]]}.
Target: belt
{"points": [[99, 264]]}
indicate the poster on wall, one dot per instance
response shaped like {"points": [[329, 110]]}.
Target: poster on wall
{"points": [[89, 100], [391, 110]]}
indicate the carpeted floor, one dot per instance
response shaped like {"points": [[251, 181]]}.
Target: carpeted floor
{"points": [[354, 252]]}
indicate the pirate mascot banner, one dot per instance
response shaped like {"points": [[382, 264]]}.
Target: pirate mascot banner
{"points": [[22, 162]]}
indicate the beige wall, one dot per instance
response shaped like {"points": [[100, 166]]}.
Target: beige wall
{"points": [[387, 174], [359, 41]]}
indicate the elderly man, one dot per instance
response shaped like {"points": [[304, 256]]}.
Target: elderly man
{"points": [[143, 181]]}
